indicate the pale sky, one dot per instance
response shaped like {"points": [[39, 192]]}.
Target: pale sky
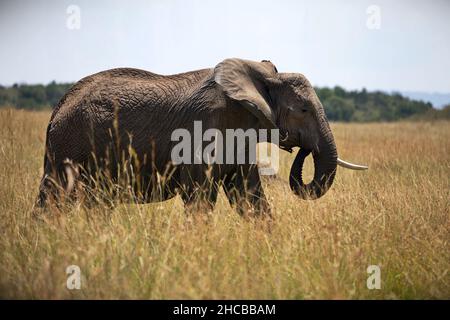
{"points": [[328, 41]]}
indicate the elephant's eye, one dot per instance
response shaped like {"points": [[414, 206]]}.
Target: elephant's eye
{"points": [[296, 109]]}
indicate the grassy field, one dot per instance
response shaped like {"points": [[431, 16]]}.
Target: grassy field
{"points": [[396, 216]]}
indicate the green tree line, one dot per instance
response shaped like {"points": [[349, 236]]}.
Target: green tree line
{"points": [[33, 97], [363, 106], [339, 104]]}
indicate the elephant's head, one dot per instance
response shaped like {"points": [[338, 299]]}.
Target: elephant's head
{"points": [[286, 101]]}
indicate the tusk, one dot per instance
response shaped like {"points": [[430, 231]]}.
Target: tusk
{"points": [[349, 165]]}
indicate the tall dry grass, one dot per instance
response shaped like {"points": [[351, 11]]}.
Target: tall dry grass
{"points": [[396, 215]]}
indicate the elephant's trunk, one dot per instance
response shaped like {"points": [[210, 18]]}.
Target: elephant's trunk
{"points": [[325, 162]]}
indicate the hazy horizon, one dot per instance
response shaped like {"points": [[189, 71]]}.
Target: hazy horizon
{"points": [[391, 47]]}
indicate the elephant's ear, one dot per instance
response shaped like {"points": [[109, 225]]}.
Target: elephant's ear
{"points": [[246, 81]]}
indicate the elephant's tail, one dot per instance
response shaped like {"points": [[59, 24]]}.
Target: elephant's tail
{"points": [[46, 155], [46, 181]]}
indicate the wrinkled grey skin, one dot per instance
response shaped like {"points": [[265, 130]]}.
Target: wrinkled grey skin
{"points": [[82, 138]]}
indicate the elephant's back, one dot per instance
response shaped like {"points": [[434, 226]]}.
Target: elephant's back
{"points": [[82, 90], [127, 87]]}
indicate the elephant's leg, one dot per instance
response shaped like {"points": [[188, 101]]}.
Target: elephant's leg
{"points": [[244, 191], [48, 191], [198, 188], [58, 186]]}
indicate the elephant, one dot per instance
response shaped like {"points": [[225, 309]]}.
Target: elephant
{"points": [[120, 122]]}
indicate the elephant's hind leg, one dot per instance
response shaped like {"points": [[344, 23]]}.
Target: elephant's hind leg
{"points": [[58, 186], [48, 191]]}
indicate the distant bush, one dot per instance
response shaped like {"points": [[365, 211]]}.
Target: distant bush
{"points": [[434, 114], [339, 104]]}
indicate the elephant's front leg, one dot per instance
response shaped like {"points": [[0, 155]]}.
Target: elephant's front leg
{"points": [[199, 188], [244, 191]]}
